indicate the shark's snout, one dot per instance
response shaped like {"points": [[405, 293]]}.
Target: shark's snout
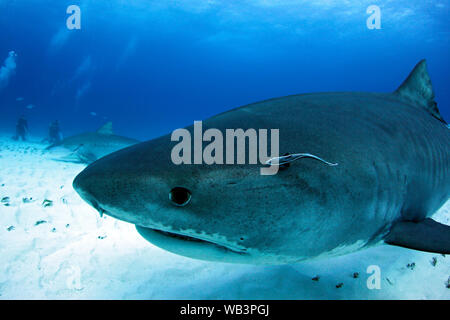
{"points": [[159, 218], [84, 185], [79, 182], [97, 185], [123, 189]]}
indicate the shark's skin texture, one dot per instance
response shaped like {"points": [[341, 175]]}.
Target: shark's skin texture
{"points": [[90, 146], [393, 159]]}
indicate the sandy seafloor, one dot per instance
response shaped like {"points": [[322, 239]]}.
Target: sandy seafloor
{"points": [[66, 251]]}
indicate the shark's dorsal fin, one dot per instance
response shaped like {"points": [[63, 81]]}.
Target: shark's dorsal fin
{"points": [[417, 89], [106, 128]]}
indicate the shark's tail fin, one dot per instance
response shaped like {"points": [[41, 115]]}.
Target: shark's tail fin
{"points": [[417, 89]]}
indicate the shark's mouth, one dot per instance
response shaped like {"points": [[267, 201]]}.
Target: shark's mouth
{"points": [[179, 236], [189, 238], [161, 238]]}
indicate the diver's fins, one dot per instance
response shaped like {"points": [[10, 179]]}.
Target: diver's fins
{"points": [[427, 235]]}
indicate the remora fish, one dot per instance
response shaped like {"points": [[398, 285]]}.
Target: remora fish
{"points": [[90, 146], [392, 151]]}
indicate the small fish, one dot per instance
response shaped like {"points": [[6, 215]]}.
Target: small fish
{"points": [[30, 106], [20, 99], [93, 114]]}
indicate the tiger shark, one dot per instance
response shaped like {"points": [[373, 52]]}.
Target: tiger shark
{"points": [[390, 173], [90, 146]]}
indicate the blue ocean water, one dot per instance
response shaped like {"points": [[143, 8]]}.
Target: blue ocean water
{"points": [[153, 66]]}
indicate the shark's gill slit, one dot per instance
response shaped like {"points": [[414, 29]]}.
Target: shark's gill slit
{"points": [[180, 196]]}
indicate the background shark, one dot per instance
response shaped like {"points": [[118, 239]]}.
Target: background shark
{"points": [[393, 174], [90, 146]]}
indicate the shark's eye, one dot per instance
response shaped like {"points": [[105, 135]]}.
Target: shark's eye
{"points": [[180, 196]]}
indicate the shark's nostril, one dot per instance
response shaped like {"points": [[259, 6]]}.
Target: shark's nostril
{"points": [[180, 196]]}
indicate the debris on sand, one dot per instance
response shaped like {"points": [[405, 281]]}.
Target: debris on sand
{"points": [[28, 200], [433, 261], [411, 265], [5, 201], [47, 203], [40, 222]]}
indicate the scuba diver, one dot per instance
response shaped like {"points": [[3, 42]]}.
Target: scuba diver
{"points": [[54, 133], [21, 129]]}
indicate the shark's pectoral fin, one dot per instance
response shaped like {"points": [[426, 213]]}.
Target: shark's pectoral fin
{"points": [[79, 147], [53, 145], [73, 158], [79, 155], [427, 235], [85, 155]]}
